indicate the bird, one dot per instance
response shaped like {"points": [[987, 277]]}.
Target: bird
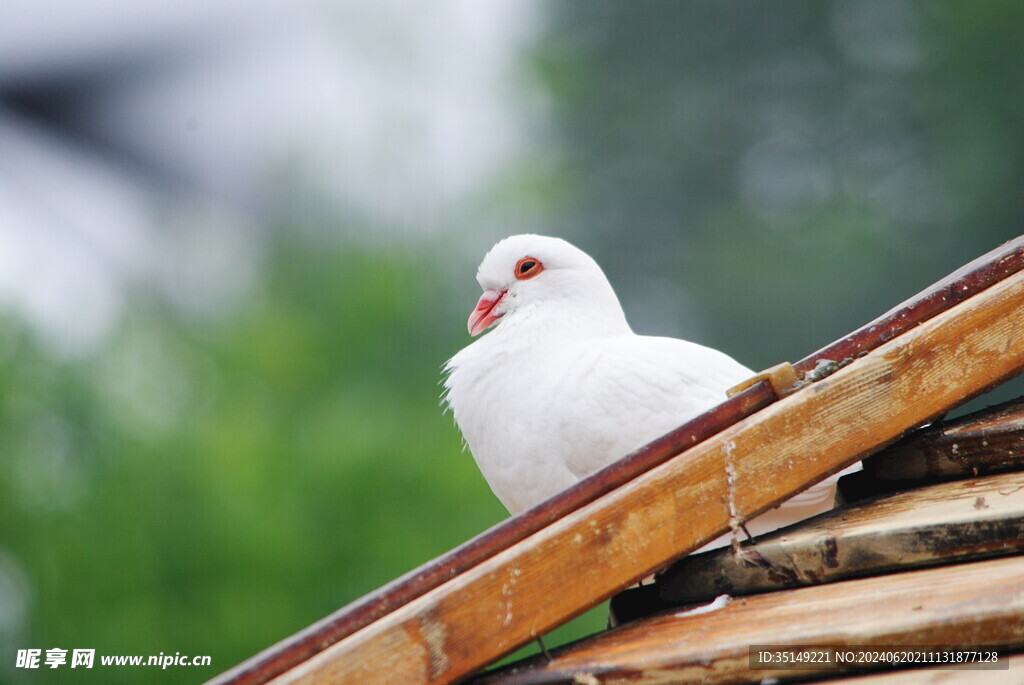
{"points": [[562, 386]]}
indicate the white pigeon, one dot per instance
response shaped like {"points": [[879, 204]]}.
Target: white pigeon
{"points": [[563, 387]]}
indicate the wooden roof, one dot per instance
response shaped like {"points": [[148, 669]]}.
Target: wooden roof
{"points": [[887, 613], [853, 576], [448, 619]]}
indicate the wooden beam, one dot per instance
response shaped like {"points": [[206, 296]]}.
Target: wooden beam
{"points": [[942, 675], [583, 558], [965, 283], [1014, 675], [988, 441], [980, 603], [939, 524]]}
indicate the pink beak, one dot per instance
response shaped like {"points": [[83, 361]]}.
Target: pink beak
{"points": [[483, 317]]}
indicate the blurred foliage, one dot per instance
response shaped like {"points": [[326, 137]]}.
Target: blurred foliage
{"points": [[762, 177], [211, 489], [786, 170]]}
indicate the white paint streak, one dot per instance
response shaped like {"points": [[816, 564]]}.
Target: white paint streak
{"points": [[717, 603], [730, 481], [435, 634]]}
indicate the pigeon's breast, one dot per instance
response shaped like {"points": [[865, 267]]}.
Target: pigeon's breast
{"points": [[506, 406]]}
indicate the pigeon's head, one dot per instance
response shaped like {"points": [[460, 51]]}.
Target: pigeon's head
{"points": [[537, 275]]}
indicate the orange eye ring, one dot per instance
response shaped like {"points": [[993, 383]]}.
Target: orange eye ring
{"points": [[528, 267]]}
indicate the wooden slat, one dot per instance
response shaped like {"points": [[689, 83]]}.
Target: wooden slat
{"points": [[942, 675], [676, 507], [958, 287], [980, 603], [939, 524], [988, 441]]}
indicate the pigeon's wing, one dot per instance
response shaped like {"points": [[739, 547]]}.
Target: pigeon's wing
{"points": [[628, 390], [634, 389]]}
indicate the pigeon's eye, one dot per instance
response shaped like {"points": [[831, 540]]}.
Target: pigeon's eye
{"points": [[528, 267]]}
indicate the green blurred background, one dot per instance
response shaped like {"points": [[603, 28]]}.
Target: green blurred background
{"points": [[208, 478]]}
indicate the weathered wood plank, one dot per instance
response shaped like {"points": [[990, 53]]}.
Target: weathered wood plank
{"points": [[938, 524], [676, 507], [959, 286], [988, 441], [980, 603], [942, 675]]}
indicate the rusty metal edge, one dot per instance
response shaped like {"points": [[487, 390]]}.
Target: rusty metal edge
{"points": [[962, 284]]}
